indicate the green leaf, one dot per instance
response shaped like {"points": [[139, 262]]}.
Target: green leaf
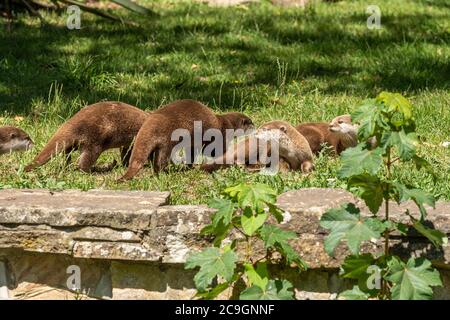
{"points": [[277, 212], [357, 160], [406, 143], [254, 196], [396, 102], [354, 294], [355, 266], [214, 292], [275, 290], [251, 222], [220, 232], [436, 237], [224, 213], [422, 163], [292, 256], [413, 280], [271, 235], [212, 263], [377, 225], [258, 277], [401, 227], [419, 197], [278, 238], [369, 188], [345, 223], [370, 119], [361, 268]]}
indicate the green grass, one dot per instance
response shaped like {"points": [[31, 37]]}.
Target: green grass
{"points": [[271, 63]]}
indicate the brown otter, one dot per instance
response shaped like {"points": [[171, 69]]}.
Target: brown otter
{"points": [[94, 129], [339, 134], [14, 139], [294, 152], [155, 138]]}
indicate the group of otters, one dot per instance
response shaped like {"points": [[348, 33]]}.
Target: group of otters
{"points": [[146, 136]]}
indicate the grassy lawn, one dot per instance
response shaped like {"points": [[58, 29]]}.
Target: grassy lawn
{"points": [[271, 63]]}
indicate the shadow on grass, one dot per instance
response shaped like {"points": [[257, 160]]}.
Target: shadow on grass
{"points": [[222, 57]]}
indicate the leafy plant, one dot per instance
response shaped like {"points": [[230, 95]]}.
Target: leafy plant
{"points": [[368, 168], [241, 217]]}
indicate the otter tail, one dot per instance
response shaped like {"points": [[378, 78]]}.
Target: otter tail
{"points": [[56, 144]]}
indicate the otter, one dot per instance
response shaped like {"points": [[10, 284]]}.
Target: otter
{"points": [[154, 140], [14, 139], [92, 130], [339, 134], [345, 130], [293, 149]]}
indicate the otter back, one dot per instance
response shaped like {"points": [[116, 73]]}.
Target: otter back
{"points": [[162, 131], [94, 129]]}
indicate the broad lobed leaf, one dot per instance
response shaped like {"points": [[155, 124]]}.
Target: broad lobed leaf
{"points": [[413, 280], [213, 262], [369, 188], [275, 290], [358, 160], [354, 294], [254, 196], [224, 213], [420, 197], [345, 223]]}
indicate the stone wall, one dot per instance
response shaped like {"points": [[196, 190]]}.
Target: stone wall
{"points": [[132, 245]]}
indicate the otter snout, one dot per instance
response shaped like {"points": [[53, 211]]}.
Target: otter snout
{"points": [[21, 144], [333, 128], [29, 145]]}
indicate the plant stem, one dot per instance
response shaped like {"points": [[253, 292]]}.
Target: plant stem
{"points": [[249, 249], [384, 288], [386, 233]]}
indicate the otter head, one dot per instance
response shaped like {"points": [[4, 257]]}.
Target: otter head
{"points": [[343, 124], [14, 139], [238, 120], [283, 126]]}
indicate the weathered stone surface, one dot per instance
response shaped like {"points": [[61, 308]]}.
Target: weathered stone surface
{"points": [[116, 250], [44, 276], [105, 234], [122, 209], [305, 207], [132, 245], [151, 281], [183, 219], [4, 293], [176, 229], [35, 238]]}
